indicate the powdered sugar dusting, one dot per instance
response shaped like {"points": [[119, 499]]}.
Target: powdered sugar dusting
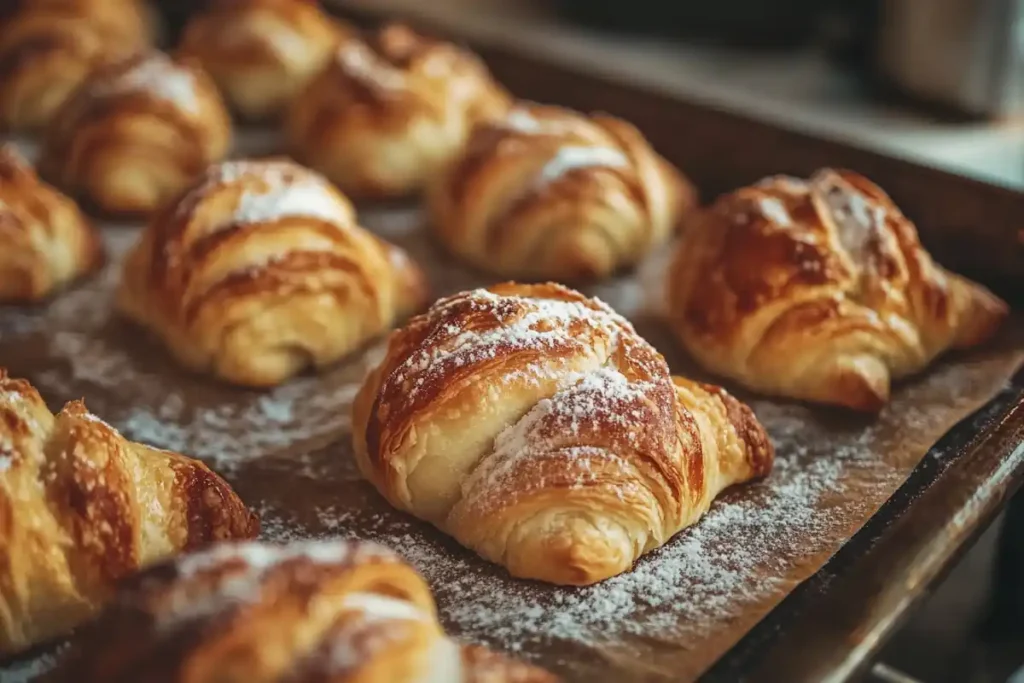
{"points": [[33, 669], [519, 323], [307, 197], [604, 394], [699, 577], [573, 157], [157, 75], [238, 571]]}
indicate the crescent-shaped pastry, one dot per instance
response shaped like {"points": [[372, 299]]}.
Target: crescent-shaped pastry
{"points": [[261, 53], [135, 134], [386, 115], [260, 271], [819, 290], [548, 193], [536, 427], [309, 612], [49, 47], [81, 507], [45, 241]]}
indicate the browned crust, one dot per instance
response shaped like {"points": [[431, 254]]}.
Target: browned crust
{"points": [[38, 226], [540, 228], [827, 267], [78, 487]]}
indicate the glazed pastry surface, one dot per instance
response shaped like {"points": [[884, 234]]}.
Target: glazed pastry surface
{"points": [[548, 193], [45, 241], [49, 47], [81, 508], [820, 290], [260, 271], [262, 53], [136, 134], [387, 114]]}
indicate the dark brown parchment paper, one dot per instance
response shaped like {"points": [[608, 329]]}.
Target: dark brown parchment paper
{"points": [[287, 452]]}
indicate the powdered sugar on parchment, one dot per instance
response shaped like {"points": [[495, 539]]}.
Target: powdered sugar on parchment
{"points": [[698, 577], [31, 670]]}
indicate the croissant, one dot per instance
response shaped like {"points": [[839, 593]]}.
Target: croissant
{"points": [[536, 427], [819, 290], [49, 47], [260, 270], [261, 53], [81, 507], [136, 133], [547, 193], [386, 115], [45, 241], [311, 612]]}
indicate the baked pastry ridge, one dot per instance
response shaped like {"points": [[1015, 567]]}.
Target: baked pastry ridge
{"points": [[819, 289], [384, 116], [49, 47], [82, 507], [136, 134], [260, 271], [45, 241], [548, 193], [309, 612], [262, 53], [536, 427]]}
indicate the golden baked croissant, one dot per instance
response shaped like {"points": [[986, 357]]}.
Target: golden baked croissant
{"points": [[81, 507], [819, 290], [136, 133], [49, 47], [536, 427], [384, 116], [45, 241], [309, 612], [548, 193], [260, 270], [261, 53]]}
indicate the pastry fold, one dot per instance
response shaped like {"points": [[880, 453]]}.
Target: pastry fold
{"points": [[260, 271], [81, 507], [819, 290], [386, 115], [536, 427], [136, 134], [309, 612], [45, 241], [261, 53], [548, 193]]}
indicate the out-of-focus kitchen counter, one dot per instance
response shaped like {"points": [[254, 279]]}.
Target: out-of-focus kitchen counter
{"points": [[800, 91]]}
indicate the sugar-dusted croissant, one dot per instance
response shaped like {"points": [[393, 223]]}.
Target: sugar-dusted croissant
{"points": [[262, 53], [136, 133], [386, 115], [819, 290], [82, 507], [49, 47], [536, 427], [45, 241], [310, 612], [260, 271], [548, 193]]}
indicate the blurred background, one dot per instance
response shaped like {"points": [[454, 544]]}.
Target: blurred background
{"points": [[938, 81]]}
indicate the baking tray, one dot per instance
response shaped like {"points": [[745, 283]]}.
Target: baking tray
{"points": [[873, 549]]}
